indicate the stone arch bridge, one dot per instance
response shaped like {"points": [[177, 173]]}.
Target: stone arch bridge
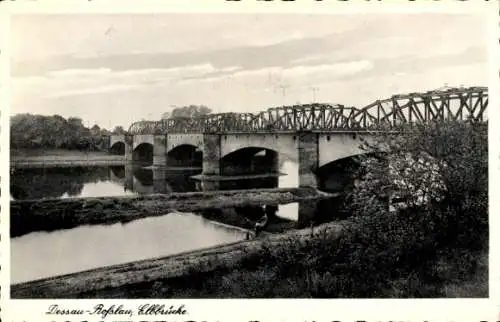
{"points": [[313, 135]]}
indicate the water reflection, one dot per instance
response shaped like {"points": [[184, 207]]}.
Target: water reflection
{"points": [[44, 183], [135, 180], [54, 182], [40, 255]]}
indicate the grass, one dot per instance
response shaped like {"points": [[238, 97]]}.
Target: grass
{"points": [[307, 281], [464, 274], [350, 265]]}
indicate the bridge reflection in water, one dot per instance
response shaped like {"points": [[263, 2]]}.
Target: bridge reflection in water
{"points": [[102, 245], [157, 180], [144, 181], [339, 178], [133, 179]]}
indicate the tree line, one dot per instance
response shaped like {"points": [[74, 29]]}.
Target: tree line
{"points": [[32, 131]]}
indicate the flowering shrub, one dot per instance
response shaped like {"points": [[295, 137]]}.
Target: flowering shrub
{"points": [[439, 169]]}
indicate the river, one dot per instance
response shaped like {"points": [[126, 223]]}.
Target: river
{"points": [[45, 254]]}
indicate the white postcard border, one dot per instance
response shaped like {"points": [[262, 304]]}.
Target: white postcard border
{"points": [[265, 310]]}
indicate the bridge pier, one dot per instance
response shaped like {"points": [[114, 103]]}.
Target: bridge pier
{"points": [[308, 159], [129, 148], [211, 159], [160, 150]]}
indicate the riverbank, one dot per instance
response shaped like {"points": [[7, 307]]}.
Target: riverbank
{"points": [[52, 214], [49, 163], [62, 158], [331, 261]]}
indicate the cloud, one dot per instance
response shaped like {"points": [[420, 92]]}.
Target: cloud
{"points": [[308, 59], [73, 82], [173, 33], [78, 72], [234, 62], [298, 75], [94, 90], [198, 69], [332, 70]]}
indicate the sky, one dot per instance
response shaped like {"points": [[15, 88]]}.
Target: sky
{"points": [[116, 69]]}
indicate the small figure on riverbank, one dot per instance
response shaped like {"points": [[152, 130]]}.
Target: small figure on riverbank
{"points": [[259, 225]]}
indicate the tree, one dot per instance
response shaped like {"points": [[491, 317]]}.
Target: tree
{"points": [[95, 130], [191, 111], [119, 130]]}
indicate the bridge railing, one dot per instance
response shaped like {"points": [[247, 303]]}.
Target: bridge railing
{"points": [[449, 104]]}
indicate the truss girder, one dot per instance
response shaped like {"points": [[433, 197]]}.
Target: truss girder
{"points": [[455, 104], [458, 104]]}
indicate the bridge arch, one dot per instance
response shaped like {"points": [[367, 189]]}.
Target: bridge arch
{"points": [[340, 175], [117, 148], [181, 139], [142, 138], [187, 155], [255, 167], [250, 160], [115, 144], [336, 146], [285, 144], [143, 154]]}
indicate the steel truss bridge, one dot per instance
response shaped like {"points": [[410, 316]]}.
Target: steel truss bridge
{"points": [[459, 104]]}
